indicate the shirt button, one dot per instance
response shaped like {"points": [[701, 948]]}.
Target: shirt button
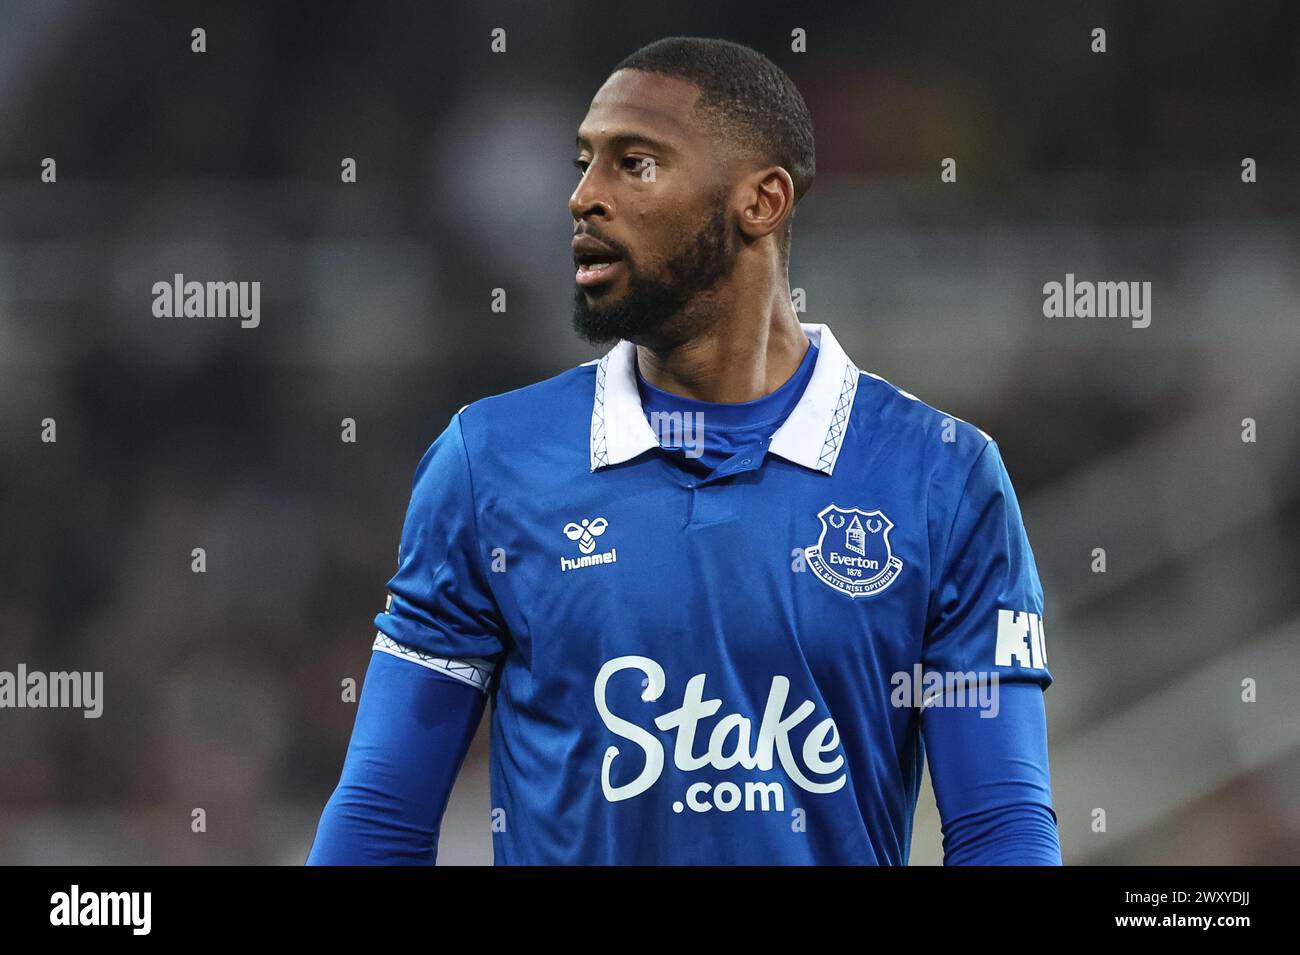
{"points": [[746, 461]]}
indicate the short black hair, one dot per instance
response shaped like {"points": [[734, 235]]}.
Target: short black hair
{"points": [[745, 99]]}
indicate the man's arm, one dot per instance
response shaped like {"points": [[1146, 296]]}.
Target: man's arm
{"points": [[413, 729], [440, 639], [989, 763], [991, 780]]}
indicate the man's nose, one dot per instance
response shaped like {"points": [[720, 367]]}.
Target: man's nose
{"points": [[590, 199]]}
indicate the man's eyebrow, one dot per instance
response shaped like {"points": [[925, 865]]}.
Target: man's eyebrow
{"points": [[624, 137]]}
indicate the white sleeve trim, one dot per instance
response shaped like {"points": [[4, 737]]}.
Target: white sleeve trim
{"points": [[474, 671]]}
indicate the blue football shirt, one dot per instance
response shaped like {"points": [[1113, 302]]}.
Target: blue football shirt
{"points": [[693, 668], [706, 434]]}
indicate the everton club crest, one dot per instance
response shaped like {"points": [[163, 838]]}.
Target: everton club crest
{"points": [[853, 553]]}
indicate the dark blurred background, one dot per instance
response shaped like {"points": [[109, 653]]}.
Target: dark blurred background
{"points": [[222, 689]]}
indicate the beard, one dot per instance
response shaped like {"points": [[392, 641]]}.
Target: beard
{"points": [[649, 305]]}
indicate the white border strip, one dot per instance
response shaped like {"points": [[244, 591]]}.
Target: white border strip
{"points": [[474, 671]]}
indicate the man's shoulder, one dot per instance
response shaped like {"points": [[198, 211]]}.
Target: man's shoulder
{"points": [[536, 411], [911, 425]]}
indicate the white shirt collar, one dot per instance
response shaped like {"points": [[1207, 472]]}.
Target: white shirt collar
{"points": [[811, 435]]}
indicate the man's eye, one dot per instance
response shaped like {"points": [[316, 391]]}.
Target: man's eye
{"points": [[580, 165], [635, 163]]}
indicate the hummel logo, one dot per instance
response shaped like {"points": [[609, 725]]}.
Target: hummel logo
{"points": [[585, 534]]}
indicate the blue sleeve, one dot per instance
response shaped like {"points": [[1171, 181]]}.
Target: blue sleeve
{"points": [[991, 780], [987, 746], [441, 608], [440, 639], [413, 729], [986, 602]]}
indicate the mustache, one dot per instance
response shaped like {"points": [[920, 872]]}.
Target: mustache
{"points": [[618, 247]]}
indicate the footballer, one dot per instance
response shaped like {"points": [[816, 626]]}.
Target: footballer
{"points": [[725, 590]]}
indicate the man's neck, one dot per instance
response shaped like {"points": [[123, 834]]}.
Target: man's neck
{"points": [[737, 360]]}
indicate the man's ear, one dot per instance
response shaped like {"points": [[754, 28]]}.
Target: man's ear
{"points": [[769, 201]]}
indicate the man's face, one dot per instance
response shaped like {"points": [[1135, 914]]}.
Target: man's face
{"points": [[650, 237]]}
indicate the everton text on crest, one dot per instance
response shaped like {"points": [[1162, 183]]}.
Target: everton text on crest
{"points": [[853, 553]]}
